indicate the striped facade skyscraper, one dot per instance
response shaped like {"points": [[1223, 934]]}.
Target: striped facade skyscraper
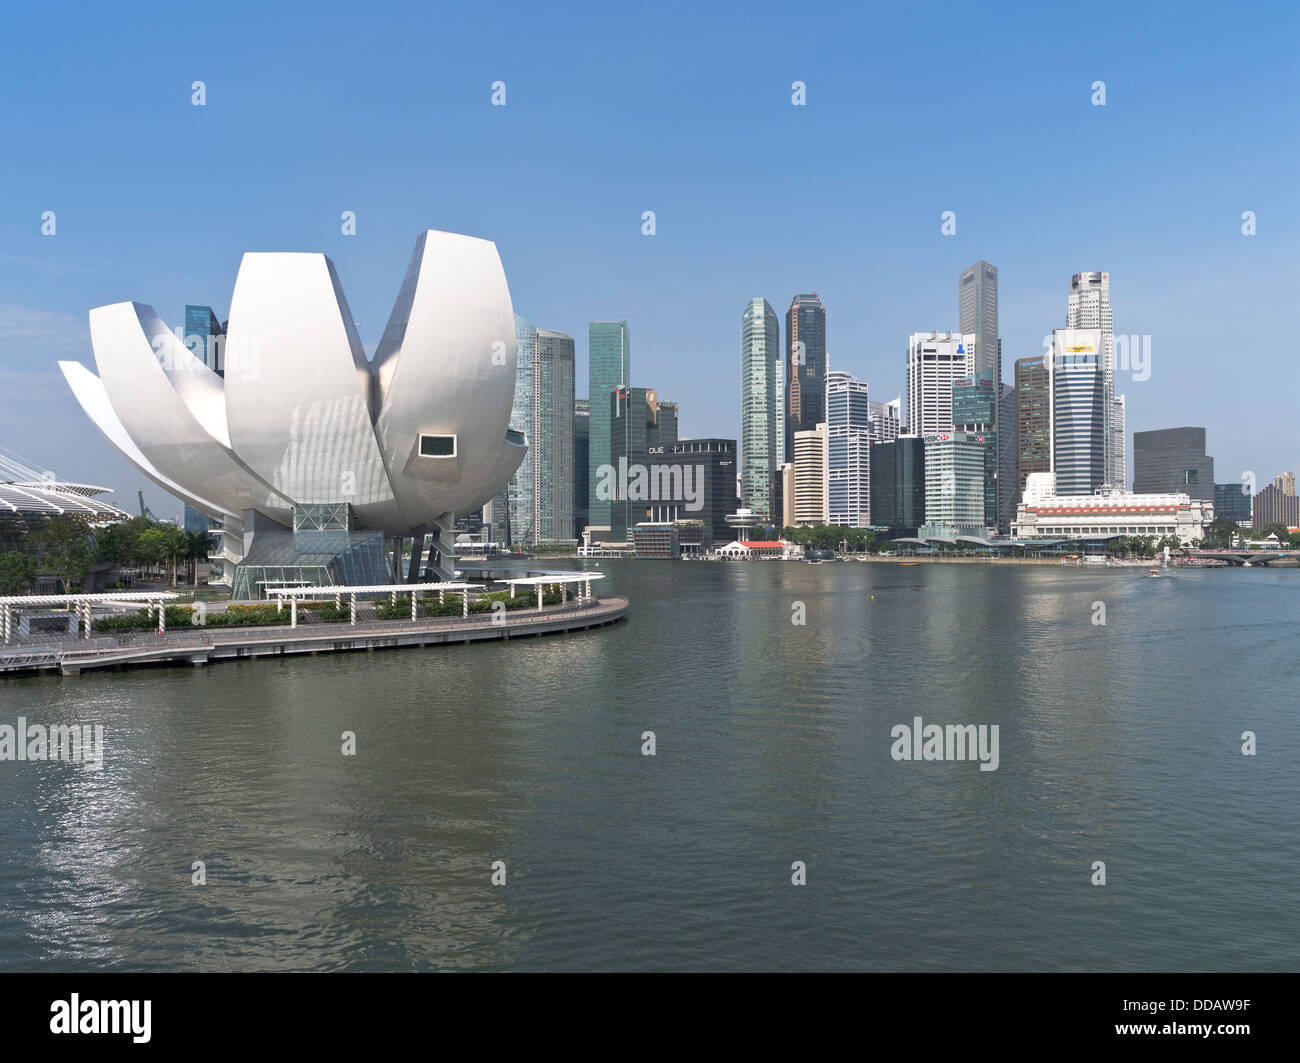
{"points": [[761, 428], [1088, 307], [848, 444], [609, 362]]}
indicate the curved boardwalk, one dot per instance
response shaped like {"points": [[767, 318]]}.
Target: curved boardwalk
{"points": [[204, 645]]}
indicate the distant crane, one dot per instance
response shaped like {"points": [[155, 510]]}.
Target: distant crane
{"points": [[145, 511]]}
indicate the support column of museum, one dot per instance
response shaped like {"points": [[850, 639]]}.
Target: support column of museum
{"points": [[417, 555]]}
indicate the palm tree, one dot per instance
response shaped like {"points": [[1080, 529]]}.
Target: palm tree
{"points": [[195, 549]]}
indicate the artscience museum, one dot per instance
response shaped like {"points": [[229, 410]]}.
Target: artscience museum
{"points": [[318, 461]]}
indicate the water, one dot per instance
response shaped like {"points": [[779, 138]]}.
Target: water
{"points": [[1119, 743]]}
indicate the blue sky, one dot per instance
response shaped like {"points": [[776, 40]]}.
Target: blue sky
{"points": [[683, 109]]}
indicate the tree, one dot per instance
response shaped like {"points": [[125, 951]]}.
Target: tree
{"points": [[1220, 531], [195, 549], [63, 548], [151, 547], [17, 571]]}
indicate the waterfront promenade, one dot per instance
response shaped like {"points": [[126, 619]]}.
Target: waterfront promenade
{"points": [[199, 645]]}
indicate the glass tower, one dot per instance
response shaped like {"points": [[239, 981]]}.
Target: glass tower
{"points": [[609, 362], [848, 461], [805, 331], [553, 367], [760, 420]]}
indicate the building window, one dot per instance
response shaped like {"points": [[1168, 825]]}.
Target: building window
{"points": [[437, 446]]}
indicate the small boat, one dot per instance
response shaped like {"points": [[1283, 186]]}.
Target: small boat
{"points": [[909, 562], [1153, 572]]}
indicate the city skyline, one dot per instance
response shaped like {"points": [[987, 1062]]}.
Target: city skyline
{"points": [[866, 237]]}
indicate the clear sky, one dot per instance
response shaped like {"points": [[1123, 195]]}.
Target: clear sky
{"points": [[683, 109]]}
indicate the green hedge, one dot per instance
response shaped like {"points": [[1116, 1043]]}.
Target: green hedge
{"points": [[142, 620]]}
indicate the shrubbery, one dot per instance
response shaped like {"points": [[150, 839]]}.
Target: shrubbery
{"points": [[142, 619]]}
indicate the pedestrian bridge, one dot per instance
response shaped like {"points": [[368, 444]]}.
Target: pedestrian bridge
{"points": [[1246, 557]]}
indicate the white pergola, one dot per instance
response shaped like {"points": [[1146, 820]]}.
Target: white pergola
{"points": [[391, 589], [82, 603], [563, 579]]}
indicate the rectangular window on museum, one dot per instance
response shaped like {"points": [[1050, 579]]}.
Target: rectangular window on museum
{"points": [[437, 446]]}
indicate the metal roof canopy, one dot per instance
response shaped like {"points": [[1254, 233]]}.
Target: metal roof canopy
{"points": [[386, 588], [72, 599], [559, 577]]}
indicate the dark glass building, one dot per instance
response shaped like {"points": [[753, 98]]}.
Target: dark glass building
{"points": [[1172, 460], [634, 427], [205, 337], [712, 465], [1231, 502], [1033, 420], [898, 485], [581, 459], [805, 406]]}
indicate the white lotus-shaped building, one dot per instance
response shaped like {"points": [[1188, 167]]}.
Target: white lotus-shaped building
{"points": [[303, 435]]}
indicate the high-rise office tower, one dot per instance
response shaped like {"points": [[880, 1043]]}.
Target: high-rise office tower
{"points": [[1008, 457], [1033, 419], [1088, 307], [955, 501], [637, 435], [1119, 440], [609, 362], [805, 337], [977, 289], [1232, 502], [760, 421], [205, 337], [511, 511], [848, 441], [886, 419], [1078, 409], [552, 451], [935, 361], [712, 469], [974, 412], [1274, 506], [809, 475], [1285, 482], [898, 485], [581, 459], [1173, 461]]}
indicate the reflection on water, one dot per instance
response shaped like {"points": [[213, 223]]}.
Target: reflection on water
{"points": [[1118, 743]]}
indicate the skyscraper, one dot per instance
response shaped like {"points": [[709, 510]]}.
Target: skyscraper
{"points": [[954, 485], [1008, 457], [977, 289], [760, 423], [848, 441], [974, 411], [1088, 307], [581, 461], [636, 430], [809, 475], [1034, 419], [609, 362], [898, 485], [552, 451], [1232, 502], [1173, 460], [886, 419], [805, 334], [205, 337], [1274, 506], [511, 512], [1119, 440], [1078, 407], [935, 361], [1285, 482]]}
